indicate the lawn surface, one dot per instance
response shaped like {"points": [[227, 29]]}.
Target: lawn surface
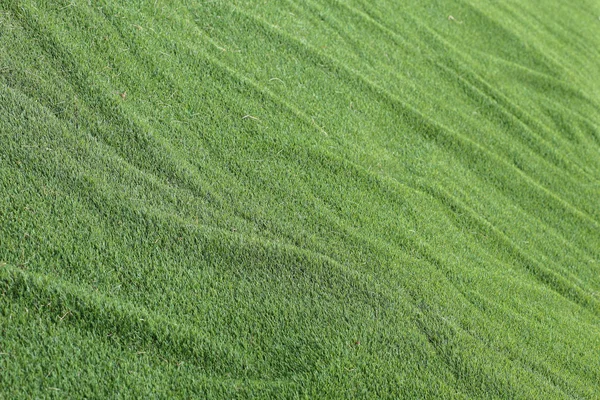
{"points": [[289, 199]]}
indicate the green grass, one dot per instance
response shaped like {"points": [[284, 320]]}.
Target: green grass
{"points": [[321, 198]]}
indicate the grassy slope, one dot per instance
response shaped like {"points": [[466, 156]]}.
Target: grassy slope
{"points": [[332, 198]]}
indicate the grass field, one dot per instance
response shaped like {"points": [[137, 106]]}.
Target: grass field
{"points": [[299, 199]]}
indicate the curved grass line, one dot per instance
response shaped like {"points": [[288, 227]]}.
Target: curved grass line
{"points": [[104, 316], [561, 285]]}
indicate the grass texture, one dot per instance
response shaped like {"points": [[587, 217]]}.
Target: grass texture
{"points": [[299, 199]]}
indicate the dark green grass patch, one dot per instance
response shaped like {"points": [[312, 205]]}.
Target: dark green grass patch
{"points": [[322, 199]]}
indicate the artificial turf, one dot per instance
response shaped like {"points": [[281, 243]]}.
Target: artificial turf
{"points": [[316, 198]]}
